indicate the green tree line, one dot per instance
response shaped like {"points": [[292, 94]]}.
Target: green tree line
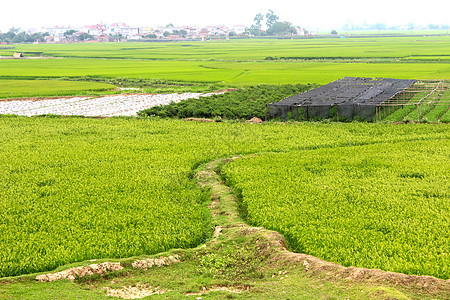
{"points": [[14, 36]]}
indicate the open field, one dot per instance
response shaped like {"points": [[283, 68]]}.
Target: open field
{"points": [[80, 181], [248, 50], [223, 64], [366, 206], [44, 88], [416, 32], [221, 73], [239, 262], [75, 189]]}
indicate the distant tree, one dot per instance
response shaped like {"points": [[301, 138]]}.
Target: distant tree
{"points": [[445, 27], [170, 25], [347, 27], [254, 31], [380, 26], [433, 26], [14, 30], [166, 33], [12, 33], [16, 36], [271, 18], [281, 28], [38, 36], [21, 37], [117, 36], [151, 36], [232, 33], [183, 33], [258, 19], [85, 37], [394, 28], [334, 32], [180, 32], [411, 26], [69, 32]]}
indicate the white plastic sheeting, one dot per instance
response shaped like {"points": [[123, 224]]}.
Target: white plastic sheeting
{"points": [[106, 106]]}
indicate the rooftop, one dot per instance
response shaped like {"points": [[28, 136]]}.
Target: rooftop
{"points": [[350, 90]]}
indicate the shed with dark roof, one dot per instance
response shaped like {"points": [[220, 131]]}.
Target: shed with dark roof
{"points": [[347, 98]]}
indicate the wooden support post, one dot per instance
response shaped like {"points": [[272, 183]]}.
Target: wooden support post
{"points": [[418, 113]]}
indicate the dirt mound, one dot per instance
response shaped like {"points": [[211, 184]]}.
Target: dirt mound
{"points": [[103, 268], [229, 289], [78, 272], [158, 262], [255, 120], [202, 120], [134, 292]]}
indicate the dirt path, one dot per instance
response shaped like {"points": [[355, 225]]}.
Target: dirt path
{"points": [[225, 210], [271, 254]]}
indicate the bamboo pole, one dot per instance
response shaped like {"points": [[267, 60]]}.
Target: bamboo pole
{"points": [[418, 114]]}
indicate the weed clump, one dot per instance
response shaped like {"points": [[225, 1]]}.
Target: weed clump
{"points": [[234, 261]]}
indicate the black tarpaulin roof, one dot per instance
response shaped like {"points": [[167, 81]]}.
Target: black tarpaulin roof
{"points": [[350, 90]]}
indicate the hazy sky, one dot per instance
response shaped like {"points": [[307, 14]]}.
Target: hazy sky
{"points": [[309, 14]]}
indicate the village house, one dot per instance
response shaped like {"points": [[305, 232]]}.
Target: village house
{"points": [[58, 31], [95, 30], [121, 32]]}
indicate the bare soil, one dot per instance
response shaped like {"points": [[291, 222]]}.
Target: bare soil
{"points": [[201, 120], [134, 292]]}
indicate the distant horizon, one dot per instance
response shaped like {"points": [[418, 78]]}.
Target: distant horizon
{"points": [[320, 14], [356, 27]]}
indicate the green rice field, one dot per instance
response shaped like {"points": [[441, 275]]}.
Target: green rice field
{"points": [[235, 63], [43, 88], [248, 50], [225, 73], [375, 206], [372, 195], [74, 189]]}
